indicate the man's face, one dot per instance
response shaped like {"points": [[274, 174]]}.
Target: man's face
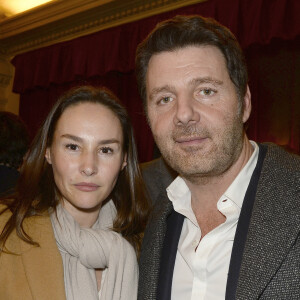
{"points": [[194, 111]]}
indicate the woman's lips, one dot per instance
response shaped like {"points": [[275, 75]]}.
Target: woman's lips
{"points": [[86, 187]]}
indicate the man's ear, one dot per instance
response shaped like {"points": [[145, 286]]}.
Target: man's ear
{"points": [[124, 163], [48, 156], [247, 105]]}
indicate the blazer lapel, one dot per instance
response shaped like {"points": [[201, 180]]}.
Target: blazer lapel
{"points": [[274, 227], [152, 248], [43, 265], [168, 256], [242, 228]]}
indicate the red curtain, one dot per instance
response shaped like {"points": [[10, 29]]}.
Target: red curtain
{"points": [[267, 30], [274, 72]]}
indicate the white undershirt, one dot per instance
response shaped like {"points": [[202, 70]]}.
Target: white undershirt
{"points": [[202, 274], [103, 275]]}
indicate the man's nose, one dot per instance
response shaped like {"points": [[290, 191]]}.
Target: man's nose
{"points": [[186, 111]]}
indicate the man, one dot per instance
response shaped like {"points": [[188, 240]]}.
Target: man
{"points": [[229, 225]]}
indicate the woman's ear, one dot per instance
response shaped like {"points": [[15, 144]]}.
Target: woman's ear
{"points": [[124, 163], [48, 156]]}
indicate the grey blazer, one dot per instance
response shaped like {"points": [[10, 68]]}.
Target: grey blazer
{"points": [[157, 176], [270, 261]]}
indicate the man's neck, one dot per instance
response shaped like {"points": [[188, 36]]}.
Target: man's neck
{"points": [[206, 191]]}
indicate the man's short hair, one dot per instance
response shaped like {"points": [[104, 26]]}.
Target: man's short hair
{"points": [[183, 31], [14, 139]]}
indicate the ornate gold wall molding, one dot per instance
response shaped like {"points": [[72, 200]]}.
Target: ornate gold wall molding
{"points": [[67, 19]]}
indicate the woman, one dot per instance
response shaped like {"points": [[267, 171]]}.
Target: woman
{"points": [[71, 228]]}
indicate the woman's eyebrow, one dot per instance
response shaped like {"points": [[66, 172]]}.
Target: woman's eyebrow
{"points": [[109, 141], [72, 137], [80, 140]]}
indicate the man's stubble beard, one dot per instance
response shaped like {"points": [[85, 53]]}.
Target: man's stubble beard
{"points": [[199, 163]]}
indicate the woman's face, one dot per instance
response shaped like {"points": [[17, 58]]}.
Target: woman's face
{"points": [[86, 157]]}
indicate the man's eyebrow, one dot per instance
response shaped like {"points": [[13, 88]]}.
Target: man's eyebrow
{"points": [[158, 90], [80, 140], [200, 80]]}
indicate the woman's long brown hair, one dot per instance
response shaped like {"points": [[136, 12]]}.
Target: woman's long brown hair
{"points": [[36, 190]]}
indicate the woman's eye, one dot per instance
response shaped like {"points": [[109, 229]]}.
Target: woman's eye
{"points": [[207, 92], [72, 147], [106, 150]]}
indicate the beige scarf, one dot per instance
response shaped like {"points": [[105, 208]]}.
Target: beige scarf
{"points": [[85, 249]]}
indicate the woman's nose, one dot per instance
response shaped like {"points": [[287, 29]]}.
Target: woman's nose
{"points": [[88, 165]]}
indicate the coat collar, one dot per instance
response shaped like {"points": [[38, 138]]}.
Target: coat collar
{"points": [[43, 265]]}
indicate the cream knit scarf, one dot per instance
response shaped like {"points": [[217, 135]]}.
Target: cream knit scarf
{"points": [[85, 249]]}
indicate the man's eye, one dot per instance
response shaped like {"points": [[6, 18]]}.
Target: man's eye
{"points": [[165, 100], [72, 147], [106, 150], [207, 92]]}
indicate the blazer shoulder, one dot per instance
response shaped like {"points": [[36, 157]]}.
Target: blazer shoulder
{"points": [[38, 228], [157, 176], [281, 166], [158, 166], [37, 270], [279, 156]]}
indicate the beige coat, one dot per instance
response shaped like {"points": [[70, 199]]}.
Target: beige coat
{"points": [[35, 272]]}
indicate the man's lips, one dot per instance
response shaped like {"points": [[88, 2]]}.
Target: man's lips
{"points": [[190, 140], [86, 186]]}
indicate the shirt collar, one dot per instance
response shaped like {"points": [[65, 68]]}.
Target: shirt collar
{"points": [[237, 190]]}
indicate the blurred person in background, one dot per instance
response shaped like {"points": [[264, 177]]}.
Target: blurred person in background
{"points": [[14, 143]]}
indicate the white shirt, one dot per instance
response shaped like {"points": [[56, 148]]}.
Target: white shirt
{"points": [[202, 273]]}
